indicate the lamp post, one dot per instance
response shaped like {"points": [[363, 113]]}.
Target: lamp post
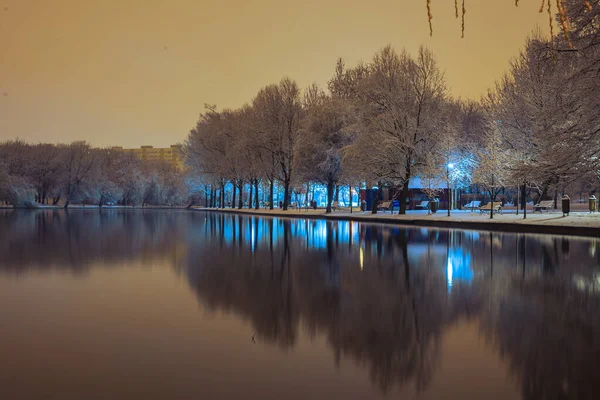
{"points": [[449, 166]]}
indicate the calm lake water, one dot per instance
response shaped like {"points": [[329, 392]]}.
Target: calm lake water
{"points": [[192, 305]]}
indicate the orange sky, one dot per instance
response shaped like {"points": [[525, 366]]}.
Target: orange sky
{"points": [[137, 72]]}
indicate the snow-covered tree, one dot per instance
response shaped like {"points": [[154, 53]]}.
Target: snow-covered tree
{"points": [[278, 110], [323, 135], [79, 160], [431, 173], [400, 99], [491, 171]]}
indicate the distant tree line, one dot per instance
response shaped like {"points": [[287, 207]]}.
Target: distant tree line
{"points": [[48, 174], [389, 120]]}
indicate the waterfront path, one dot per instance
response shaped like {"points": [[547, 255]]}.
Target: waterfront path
{"points": [[579, 223]]}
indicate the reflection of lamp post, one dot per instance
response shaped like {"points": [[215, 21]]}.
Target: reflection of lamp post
{"points": [[449, 166]]}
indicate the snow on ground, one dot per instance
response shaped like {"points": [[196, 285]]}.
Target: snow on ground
{"points": [[551, 218]]}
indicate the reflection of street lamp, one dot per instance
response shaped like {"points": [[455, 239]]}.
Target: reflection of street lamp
{"points": [[449, 166]]}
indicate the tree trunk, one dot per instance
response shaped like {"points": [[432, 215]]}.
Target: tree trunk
{"points": [[524, 199], [330, 189], [271, 189], [545, 190], [405, 185], [286, 194], [377, 197], [307, 193], [350, 197], [233, 193], [493, 196], [222, 199], [240, 194], [250, 194], [257, 205], [337, 193], [403, 197]]}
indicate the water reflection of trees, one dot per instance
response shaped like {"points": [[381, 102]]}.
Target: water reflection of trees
{"points": [[76, 239], [548, 329], [384, 296], [382, 316]]}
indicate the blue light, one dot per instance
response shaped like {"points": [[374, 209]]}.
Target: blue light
{"points": [[458, 267], [449, 273]]}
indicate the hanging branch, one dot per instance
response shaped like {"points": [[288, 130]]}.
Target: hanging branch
{"points": [[551, 26], [565, 25], [464, 11], [430, 17], [564, 21]]}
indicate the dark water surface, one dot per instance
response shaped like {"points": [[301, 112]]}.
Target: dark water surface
{"points": [[192, 305]]}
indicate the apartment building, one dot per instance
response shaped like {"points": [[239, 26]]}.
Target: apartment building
{"points": [[170, 154]]}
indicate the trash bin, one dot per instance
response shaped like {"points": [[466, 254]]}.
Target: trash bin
{"points": [[363, 205], [313, 204], [592, 203], [566, 205], [433, 206]]}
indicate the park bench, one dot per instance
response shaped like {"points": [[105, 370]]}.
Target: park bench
{"points": [[424, 205], [386, 205], [293, 205], [307, 206], [543, 205], [496, 206], [266, 205], [473, 205]]}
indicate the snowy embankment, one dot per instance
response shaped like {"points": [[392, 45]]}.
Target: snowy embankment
{"points": [[553, 222]]}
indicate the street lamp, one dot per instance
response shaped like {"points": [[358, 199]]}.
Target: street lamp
{"points": [[449, 166]]}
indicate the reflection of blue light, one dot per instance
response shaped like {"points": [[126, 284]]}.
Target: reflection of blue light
{"points": [[317, 234], [458, 266], [473, 235], [228, 232], [449, 273]]}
